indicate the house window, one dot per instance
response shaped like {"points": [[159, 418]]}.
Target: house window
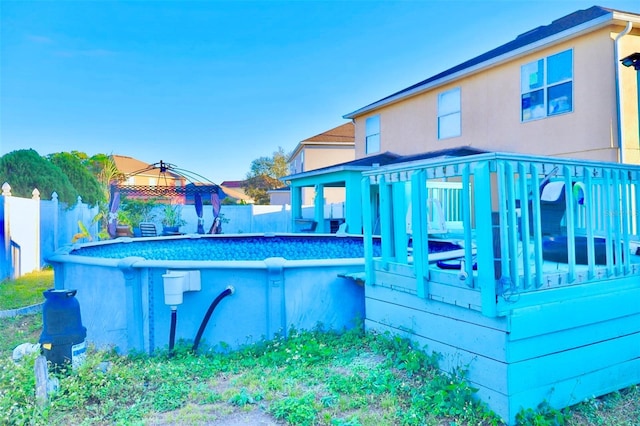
{"points": [[131, 180], [373, 134], [546, 86], [153, 182], [449, 114], [297, 164]]}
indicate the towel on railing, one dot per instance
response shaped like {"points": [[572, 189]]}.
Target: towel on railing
{"points": [[438, 222], [552, 191], [436, 219]]}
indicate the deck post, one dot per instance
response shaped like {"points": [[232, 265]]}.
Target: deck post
{"points": [[626, 214], [318, 208], [590, 215], [512, 223], [419, 237], [619, 214], [523, 223], [535, 219], [386, 215], [499, 231], [296, 206], [608, 219], [569, 222], [399, 203], [353, 205], [367, 229], [484, 233], [467, 224]]}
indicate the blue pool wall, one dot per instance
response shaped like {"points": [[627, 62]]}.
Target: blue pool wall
{"points": [[122, 300]]}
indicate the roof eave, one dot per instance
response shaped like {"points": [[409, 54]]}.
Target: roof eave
{"points": [[324, 171], [306, 144]]}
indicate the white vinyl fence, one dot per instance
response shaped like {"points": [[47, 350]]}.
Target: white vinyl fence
{"points": [[32, 229]]}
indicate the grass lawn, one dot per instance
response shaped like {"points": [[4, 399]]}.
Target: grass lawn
{"points": [[26, 290], [311, 378]]}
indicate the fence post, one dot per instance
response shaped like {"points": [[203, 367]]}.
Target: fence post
{"points": [[252, 218], [35, 196], [5, 248], [79, 210], [56, 217]]}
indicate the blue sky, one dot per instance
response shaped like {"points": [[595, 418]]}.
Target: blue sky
{"points": [[212, 85]]}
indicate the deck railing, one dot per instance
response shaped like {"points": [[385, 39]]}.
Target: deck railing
{"points": [[527, 224]]}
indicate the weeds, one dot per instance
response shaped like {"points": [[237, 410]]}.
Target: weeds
{"points": [[19, 329], [544, 415], [615, 408], [296, 410], [309, 378]]}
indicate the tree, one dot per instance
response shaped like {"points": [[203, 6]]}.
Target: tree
{"points": [[85, 183], [135, 210], [105, 170], [265, 175], [26, 170]]}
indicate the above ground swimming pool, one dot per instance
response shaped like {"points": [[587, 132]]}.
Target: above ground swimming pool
{"points": [[278, 281], [270, 284]]}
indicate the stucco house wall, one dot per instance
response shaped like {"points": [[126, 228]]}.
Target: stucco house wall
{"points": [[629, 101], [491, 107], [318, 156]]}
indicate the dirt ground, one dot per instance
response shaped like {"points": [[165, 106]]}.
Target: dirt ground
{"points": [[214, 415]]}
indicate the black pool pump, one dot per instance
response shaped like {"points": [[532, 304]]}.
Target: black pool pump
{"points": [[63, 335]]}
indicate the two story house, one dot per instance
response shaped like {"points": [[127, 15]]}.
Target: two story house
{"points": [[334, 146], [559, 90]]}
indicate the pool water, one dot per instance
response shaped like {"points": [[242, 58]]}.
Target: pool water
{"points": [[233, 248]]}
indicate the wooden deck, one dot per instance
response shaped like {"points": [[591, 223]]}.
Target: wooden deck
{"points": [[527, 326]]}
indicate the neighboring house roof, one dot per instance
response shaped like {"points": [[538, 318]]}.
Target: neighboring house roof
{"points": [[282, 189], [131, 166], [582, 20], [237, 184], [238, 195], [344, 134], [238, 187], [387, 158], [128, 164]]}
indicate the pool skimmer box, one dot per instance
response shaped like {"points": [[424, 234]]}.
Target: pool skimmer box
{"points": [[176, 282]]}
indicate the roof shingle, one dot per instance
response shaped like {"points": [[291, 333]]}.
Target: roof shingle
{"points": [[344, 133]]}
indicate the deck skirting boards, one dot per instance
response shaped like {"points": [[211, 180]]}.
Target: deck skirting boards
{"points": [[528, 356]]}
